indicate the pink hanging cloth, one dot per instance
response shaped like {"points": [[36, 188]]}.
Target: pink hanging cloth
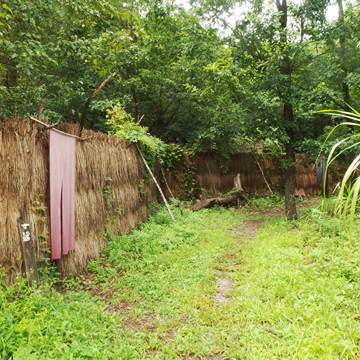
{"points": [[62, 193]]}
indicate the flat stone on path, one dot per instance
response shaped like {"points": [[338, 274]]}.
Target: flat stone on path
{"points": [[224, 285]]}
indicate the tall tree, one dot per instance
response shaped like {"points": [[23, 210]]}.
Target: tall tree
{"points": [[167, 82], [273, 47]]}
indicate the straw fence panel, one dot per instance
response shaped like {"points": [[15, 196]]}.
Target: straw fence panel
{"points": [[24, 180], [214, 177]]}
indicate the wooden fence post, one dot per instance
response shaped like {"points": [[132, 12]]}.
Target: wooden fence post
{"points": [[27, 250]]}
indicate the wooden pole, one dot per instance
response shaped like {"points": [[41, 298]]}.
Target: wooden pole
{"points": [[86, 106], [47, 127], [28, 252], [166, 183], [263, 175], [156, 183]]}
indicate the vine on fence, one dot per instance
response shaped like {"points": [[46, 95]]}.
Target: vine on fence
{"points": [[47, 269]]}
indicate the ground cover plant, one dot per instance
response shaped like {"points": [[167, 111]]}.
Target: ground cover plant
{"points": [[292, 293]]}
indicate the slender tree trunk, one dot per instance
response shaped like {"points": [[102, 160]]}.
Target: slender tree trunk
{"points": [[290, 205], [288, 116], [342, 43]]}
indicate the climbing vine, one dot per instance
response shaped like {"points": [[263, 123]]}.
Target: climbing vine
{"points": [[125, 126], [191, 186], [47, 269]]}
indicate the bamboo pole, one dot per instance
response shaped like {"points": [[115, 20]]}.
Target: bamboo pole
{"points": [[156, 183], [166, 183], [263, 175]]}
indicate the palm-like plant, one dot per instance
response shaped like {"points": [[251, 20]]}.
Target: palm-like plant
{"points": [[349, 189]]}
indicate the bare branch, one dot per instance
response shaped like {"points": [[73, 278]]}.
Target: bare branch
{"points": [[86, 107], [47, 127]]}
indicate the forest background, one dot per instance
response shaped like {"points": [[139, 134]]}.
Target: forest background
{"points": [[179, 76]]}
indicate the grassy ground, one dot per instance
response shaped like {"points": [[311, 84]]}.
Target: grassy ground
{"points": [[193, 289]]}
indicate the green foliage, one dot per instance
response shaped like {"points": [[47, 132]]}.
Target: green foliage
{"points": [[54, 53], [124, 125], [5, 13], [158, 236], [41, 323], [294, 294], [299, 282], [266, 202], [185, 83], [102, 270], [170, 157], [47, 269], [348, 196], [190, 185]]}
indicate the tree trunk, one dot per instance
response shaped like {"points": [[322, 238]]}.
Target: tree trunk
{"points": [[290, 205], [288, 117], [342, 42]]}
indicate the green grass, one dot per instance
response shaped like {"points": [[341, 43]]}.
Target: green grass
{"points": [[294, 295], [300, 293]]}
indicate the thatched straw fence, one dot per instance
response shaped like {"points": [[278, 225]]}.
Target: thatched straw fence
{"points": [[214, 177], [24, 158], [24, 180]]}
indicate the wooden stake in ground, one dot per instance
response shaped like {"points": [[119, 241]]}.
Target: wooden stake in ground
{"points": [[27, 250], [156, 183]]}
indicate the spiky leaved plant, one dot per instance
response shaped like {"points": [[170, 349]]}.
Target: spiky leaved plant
{"points": [[349, 187]]}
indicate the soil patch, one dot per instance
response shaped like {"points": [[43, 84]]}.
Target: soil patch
{"points": [[119, 308], [248, 228], [139, 324], [106, 294], [224, 285]]}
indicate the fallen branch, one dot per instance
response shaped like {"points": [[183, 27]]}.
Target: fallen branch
{"points": [[167, 185], [47, 126], [232, 200], [42, 130]]}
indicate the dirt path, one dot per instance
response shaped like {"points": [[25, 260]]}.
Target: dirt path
{"points": [[246, 231], [226, 270]]}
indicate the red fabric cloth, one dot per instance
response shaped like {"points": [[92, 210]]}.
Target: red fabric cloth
{"points": [[62, 193]]}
